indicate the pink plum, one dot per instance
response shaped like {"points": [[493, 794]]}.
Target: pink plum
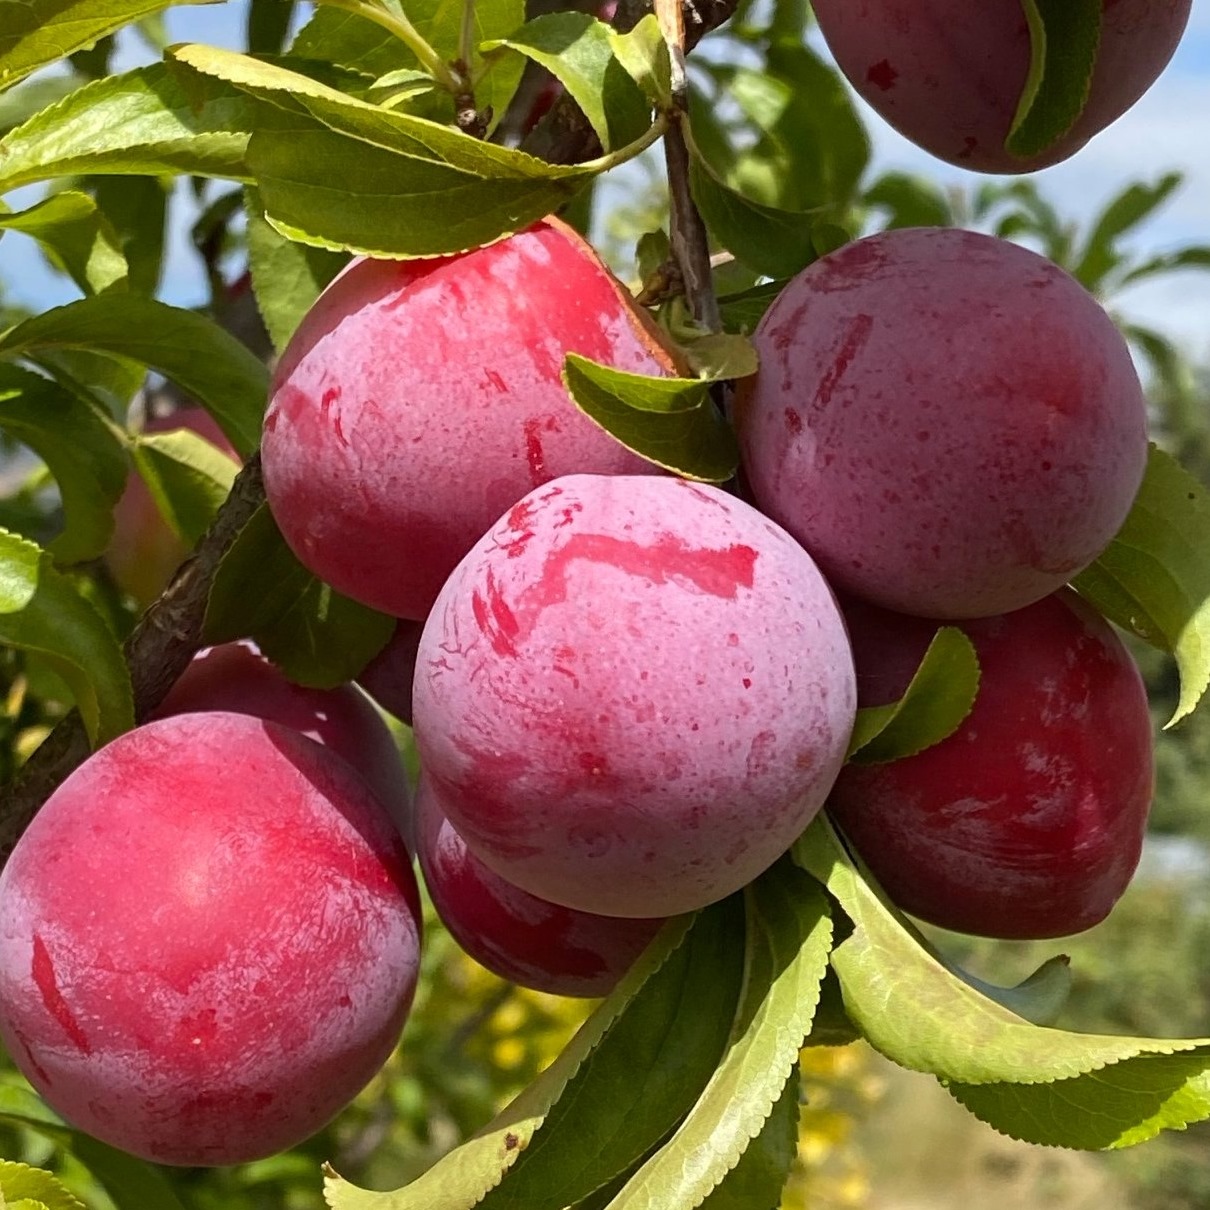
{"points": [[516, 935], [387, 678], [237, 678], [633, 694], [948, 422], [949, 74], [419, 399], [208, 940], [1028, 821]]}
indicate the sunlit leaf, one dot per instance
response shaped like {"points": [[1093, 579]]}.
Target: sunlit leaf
{"points": [[933, 706], [1153, 579], [1064, 35], [41, 612], [199, 356], [670, 421]]}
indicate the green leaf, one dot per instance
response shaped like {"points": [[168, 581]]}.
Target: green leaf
{"points": [[669, 421], [344, 38], [76, 235], [932, 708], [200, 357], [1064, 37], [756, 1182], [643, 52], [909, 201], [130, 1183], [742, 311], [20, 564], [188, 479], [776, 243], [110, 382], [1153, 579], [1118, 1106], [789, 935], [268, 25], [398, 87], [41, 612], [341, 173], [39, 32], [23, 102], [642, 1078], [801, 145], [136, 207], [353, 41], [922, 1015], [316, 636], [1193, 257], [26, 1188], [718, 356], [145, 121], [286, 277], [83, 451], [1100, 255], [464, 1177], [576, 48]]}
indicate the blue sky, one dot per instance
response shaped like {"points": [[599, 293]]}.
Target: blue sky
{"points": [[1168, 129]]}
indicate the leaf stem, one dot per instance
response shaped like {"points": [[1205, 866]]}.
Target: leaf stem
{"points": [[620, 155]]}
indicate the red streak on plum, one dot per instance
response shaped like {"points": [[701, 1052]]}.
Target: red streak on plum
{"points": [[494, 617], [534, 453], [43, 970], [720, 573], [857, 334]]}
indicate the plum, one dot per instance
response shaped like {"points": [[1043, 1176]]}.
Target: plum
{"points": [[387, 678], [949, 74], [1028, 821], [633, 694], [949, 423], [516, 935], [208, 940], [420, 399], [235, 677]]}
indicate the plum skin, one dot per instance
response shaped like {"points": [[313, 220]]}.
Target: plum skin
{"points": [[948, 422], [948, 75], [521, 938], [633, 694], [388, 677], [1028, 821], [420, 399], [209, 941], [235, 677]]}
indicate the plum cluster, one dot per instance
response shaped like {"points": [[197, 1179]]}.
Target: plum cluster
{"points": [[630, 692]]}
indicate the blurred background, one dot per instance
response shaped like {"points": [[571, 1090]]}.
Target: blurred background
{"points": [[1130, 214]]}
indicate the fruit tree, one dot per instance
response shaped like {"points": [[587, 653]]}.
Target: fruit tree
{"points": [[675, 634]]}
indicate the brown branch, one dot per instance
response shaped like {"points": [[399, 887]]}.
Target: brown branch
{"points": [[687, 236], [158, 651]]}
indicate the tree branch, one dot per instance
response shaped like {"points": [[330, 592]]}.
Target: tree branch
{"points": [[158, 651]]}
